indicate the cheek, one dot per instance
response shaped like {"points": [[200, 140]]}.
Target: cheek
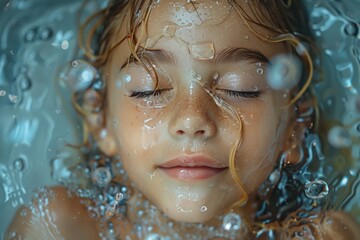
{"points": [[261, 139]]}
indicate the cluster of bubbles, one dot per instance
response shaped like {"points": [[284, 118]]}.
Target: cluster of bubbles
{"points": [[38, 34], [12, 97]]}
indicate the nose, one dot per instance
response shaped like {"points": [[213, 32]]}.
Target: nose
{"points": [[193, 119]]}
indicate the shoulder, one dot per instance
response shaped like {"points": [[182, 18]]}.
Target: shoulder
{"points": [[330, 225], [54, 213], [339, 225]]}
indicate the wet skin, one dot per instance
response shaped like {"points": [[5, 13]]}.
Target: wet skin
{"points": [[192, 125], [190, 128]]}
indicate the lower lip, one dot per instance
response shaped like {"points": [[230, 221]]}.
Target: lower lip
{"points": [[191, 173]]}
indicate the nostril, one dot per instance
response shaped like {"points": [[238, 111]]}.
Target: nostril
{"points": [[180, 132], [200, 132]]}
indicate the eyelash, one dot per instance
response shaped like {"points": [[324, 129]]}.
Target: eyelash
{"points": [[146, 94], [241, 94], [230, 93]]}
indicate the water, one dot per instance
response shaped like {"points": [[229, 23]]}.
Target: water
{"points": [[37, 43]]}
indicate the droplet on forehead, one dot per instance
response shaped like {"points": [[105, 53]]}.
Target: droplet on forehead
{"points": [[202, 51], [169, 30]]}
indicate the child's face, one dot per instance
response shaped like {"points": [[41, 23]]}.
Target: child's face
{"points": [[175, 145]]}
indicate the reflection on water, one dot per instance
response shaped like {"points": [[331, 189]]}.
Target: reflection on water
{"points": [[38, 41]]}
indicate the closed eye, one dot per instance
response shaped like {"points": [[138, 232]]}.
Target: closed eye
{"points": [[241, 94], [147, 94]]}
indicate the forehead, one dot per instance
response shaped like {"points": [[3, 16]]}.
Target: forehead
{"points": [[217, 22]]}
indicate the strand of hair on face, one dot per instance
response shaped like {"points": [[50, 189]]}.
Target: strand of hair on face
{"points": [[135, 46], [286, 37], [232, 165]]}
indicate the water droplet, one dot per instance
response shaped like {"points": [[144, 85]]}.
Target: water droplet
{"points": [[169, 30], [284, 72], [339, 137], [127, 78], [65, 44], [19, 164], [195, 75], [215, 76], [202, 51], [203, 209], [231, 222], [317, 189], [13, 98], [2, 93], [260, 71], [119, 197], [74, 63], [101, 176]]}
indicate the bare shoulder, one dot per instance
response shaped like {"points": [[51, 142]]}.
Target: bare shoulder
{"points": [[339, 225], [330, 225], [54, 214]]}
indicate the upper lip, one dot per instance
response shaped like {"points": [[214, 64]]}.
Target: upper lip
{"points": [[192, 161]]}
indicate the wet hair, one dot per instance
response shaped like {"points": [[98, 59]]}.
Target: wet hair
{"points": [[286, 22]]}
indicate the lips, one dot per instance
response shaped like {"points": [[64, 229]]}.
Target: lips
{"points": [[192, 168]]}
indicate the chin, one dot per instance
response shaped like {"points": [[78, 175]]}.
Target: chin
{"points": [[190, 216]]}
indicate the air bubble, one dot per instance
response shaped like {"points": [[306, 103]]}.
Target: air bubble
{"points": [[351, 29], [317, 189], [203, 209], [80, 75], [19, 164], [25, 82], [101, 176], [65, 44], [284, 72], [231, 222], [74, 63], [339, 137], [2, 93], [13, 98], [119, 197]]}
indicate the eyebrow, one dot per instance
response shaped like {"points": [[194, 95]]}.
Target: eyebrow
{"points": [[227, 55], [238, 54]]}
